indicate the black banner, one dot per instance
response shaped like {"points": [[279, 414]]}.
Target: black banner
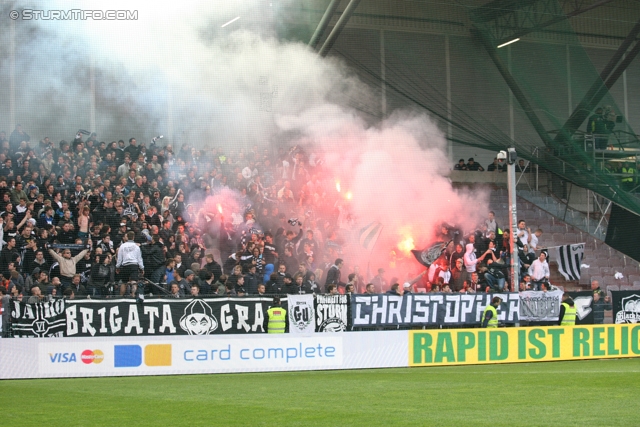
{"points": [[332, 313], [583, 302], [430, 309], [43, 319], [626, 306], [197, 316]]}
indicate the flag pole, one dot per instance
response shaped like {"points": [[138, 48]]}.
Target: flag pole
{"points": [[513, 218]]}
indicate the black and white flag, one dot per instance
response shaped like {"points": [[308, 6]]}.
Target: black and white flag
{"points": [[569, 258], [429, 255], [43, 319]]}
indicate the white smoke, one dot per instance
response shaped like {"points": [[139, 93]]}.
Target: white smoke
{"points": [[176, 69]]}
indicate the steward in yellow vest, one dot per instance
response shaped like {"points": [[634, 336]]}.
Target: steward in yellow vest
{"points": [[277, 318], [490, 314], [567, 311]]}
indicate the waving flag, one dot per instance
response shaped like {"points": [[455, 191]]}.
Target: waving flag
{"points": [[368, 235], [569, 258], [429, 255]]}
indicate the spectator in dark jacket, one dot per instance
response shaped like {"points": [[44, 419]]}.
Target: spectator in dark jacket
{"points": [[153, 258], [251, 281], [333, 274], [213, 267]]}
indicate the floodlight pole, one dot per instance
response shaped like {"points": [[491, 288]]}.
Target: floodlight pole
{"points": [[513, 217]]}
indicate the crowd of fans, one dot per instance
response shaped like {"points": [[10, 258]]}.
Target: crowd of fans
{"points": [[89, 218], [496, 166]]}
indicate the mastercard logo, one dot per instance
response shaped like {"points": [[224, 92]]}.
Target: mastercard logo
{"points": [[92, 356]]}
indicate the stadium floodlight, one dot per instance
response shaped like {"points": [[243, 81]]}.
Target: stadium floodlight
{"points": [[509, 42]]}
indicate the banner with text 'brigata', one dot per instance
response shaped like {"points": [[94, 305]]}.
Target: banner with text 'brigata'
{"points": [[198, 316], [439, 347], [430, 309]]}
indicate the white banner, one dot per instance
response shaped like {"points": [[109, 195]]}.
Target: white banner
{"points": [[302, 318], [537, 306], [170, 355]]}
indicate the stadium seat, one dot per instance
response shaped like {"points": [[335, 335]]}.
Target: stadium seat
{"points": [[610, 281], [626, 287], [602, 252], [630, 269], [607, 271], [616, 262], [633, 278], [600, 262], [636, 286], [611, 288]]}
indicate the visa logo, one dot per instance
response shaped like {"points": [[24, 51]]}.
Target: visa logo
{"points": [[62, 357]]}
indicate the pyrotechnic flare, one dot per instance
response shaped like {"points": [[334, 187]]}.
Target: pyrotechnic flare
{"points": [[406, 245]]}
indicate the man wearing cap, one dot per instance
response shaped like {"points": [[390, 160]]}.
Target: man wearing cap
{"points": [[473, 166], [460, 166], [407, 288], [33, 193]]}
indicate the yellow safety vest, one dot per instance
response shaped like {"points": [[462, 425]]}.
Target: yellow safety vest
{"points": [[569, 318], [277, 320], [493, 322], [627, 178]]}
